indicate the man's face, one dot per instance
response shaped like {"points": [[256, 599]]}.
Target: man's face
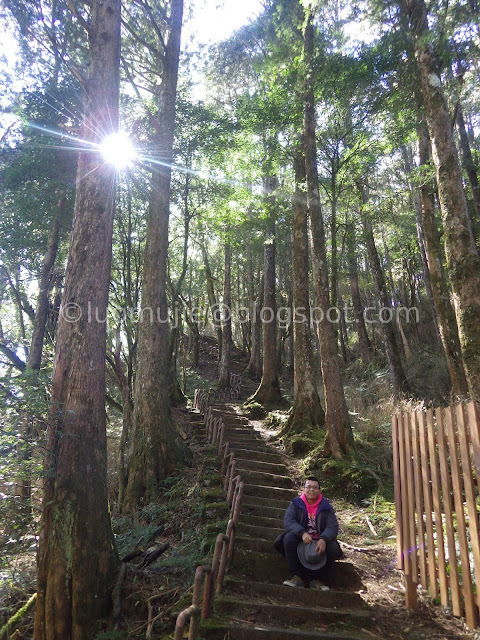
{"points": [[311, 488]]}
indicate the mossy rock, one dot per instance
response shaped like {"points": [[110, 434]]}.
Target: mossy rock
{"points": [[346, 478], [217, 510], [299, 444], [213, 494], [254, 411]]}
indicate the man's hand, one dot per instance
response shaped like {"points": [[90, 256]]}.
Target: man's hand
{"points": [[306, 537], [321, 546]]}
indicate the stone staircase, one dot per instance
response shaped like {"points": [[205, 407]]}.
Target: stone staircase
{"points": [[254, 604]]}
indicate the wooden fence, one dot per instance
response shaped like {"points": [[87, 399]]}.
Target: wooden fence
{"points": [[436, 463]]}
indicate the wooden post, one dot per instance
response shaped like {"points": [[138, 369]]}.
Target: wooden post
{"points": [[437, 506], [398, 499], [470, 614], [418, 499], [447, 507]]}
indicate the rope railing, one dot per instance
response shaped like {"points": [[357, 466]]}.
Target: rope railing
{"points": [[212, 577]]}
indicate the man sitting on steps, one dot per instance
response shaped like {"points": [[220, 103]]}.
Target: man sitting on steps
{"points": [[310, 540]]}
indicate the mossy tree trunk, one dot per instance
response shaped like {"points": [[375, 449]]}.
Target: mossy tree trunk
{"points": [[339, 438], [447, 323], [224, 367], [306, 412], [212, 299], [254, 367], [463, 261], [360, 327], [77, 560], [397, 373], [156, 447], [268, 392]]}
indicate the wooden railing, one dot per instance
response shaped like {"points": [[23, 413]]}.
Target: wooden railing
{"points": [[436, 464]]}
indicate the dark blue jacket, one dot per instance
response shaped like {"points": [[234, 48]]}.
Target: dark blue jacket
{"points": [[296, 518]]}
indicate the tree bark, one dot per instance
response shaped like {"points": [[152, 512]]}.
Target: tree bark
{"points": [[224, 367], [467, 161], [41, 310], [463, 261], [441, 295], [363, 339], [156, 446], [339, 438], [306, 412], [254, 367], [212, 299], [397, 374], [268, 392], [77, 559]]}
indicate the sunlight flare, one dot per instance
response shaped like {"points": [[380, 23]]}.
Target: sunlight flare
{"points": [[118, 150]]}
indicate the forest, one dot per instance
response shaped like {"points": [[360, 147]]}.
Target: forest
{"points": [[303, 193]]}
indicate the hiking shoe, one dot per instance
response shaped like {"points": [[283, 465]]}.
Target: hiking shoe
{"points": [[295, 581], [319, 586]]}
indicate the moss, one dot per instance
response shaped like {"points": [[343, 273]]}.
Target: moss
{"points": [[64, 519], [254, 411]]}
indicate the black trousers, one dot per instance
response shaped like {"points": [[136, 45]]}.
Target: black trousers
{"points": [[296, 568]]}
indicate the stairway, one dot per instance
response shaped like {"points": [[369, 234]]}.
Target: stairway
{"points": [[254, 604]]}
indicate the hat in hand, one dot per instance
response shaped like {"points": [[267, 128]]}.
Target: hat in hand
{"points": [[308, 556]]}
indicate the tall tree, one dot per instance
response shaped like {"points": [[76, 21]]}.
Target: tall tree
{"points": [[306, 410], [339, 438], [224, 366], [463, 260], [156, 447], [77, 557]]}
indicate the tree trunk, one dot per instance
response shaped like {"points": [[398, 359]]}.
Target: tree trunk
{"points": [[397, 374], [268, 392], [254, 367], [467, 161], [212, 300], [441, 295], [41, 310], [77, 559], [306, 412], [339, 438], [417, 204], [156, 446], [224, 368], [363, 339], [463, 261]]}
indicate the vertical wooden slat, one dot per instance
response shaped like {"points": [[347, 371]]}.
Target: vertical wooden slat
{"points": [[469, 491], [437, 507], [470, 614], [411, 500], [418, 499], [447, 506], [407, 568], [474, 423], [427, 497], [396, 484], [407, 514]]}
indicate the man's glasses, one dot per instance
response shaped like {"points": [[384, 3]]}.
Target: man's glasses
{"points": [[309, 487]]}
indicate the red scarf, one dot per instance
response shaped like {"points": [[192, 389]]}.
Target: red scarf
{"points": [[311, 508]]}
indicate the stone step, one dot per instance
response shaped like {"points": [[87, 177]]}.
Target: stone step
{"points": [[276, 493], [298, 615], [263, 505], [259, 465], [265, 479], [260, 521], [256, 446], [272, 568], [242, 631], [264, 533], [265, 455], [250, 544], [305, 597]]}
